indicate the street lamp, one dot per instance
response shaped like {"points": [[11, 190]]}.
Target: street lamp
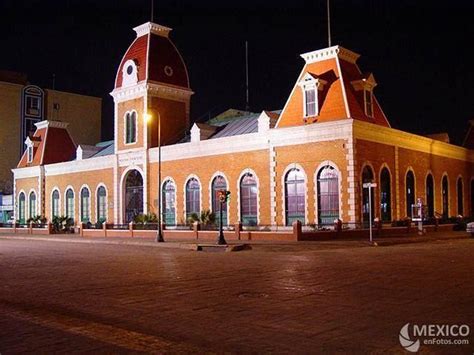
{"points": [[369, 185], [159, 234]]}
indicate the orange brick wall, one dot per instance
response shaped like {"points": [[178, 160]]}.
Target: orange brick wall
{"points": [[76, 180], [123, 107], [310, 157], [377, 155], [232, 165]]}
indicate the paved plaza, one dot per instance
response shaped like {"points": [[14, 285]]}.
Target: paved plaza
{"points": [[296, 298]]}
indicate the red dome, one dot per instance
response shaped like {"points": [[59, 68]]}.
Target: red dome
{"points": [[155, 58]]}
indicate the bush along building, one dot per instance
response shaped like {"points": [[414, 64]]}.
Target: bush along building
{"points": [[307, 162]]}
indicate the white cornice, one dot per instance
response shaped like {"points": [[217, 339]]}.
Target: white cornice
{"points": [[54, 124], [390, 136], [77, 166], [150, 27], [287, 136], [22, 173], [330, 52], [143, 87]]}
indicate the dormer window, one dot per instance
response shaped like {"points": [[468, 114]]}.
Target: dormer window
{"points": [[30, 154], [310, 85], [368, 103], [131, 127], [366, 85]]}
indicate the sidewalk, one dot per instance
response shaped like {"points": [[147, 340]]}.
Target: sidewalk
{"points": [[191, 244]]}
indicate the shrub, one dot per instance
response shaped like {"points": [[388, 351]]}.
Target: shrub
{"points": [[145, 218]]}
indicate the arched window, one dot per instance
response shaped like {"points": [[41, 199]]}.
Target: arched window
{"points": [[367, 176], [101, 204], [55, 203], [328, 195], [430, 195], [460, 198], [85, 205], [294, 197], [193, 197], [70, 204], [131, 127], [133, 199], [32, 211], [385, 196], [169, 203], [218, 184], [21, 208], [248, 200], [409, 191], [445, 197]]}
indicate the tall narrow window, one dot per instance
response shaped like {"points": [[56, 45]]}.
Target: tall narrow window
{"points": [[70, 204], [219, 184], [367, 176], [294, 197], [430, 195], [310, 101], [32, 205], [21, 208], [101, 205], [30, 154], [460, 198], [445, 197], [55, 203], [193, 197], [169, 203], [248, 200], [409, 191], [368, 101], [328, 195], [385, 196], [85, 205], [131, 127]]}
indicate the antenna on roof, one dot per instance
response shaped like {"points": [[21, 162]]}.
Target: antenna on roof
{"points": [[54, 81], [151, 17], [247, 104], [329, 25]]}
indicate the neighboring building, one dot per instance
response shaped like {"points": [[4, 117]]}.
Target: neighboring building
{"points": [[6, 207], [22, 105], [307, 162]]}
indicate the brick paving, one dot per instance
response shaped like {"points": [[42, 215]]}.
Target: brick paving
{"points": [[284, 298]]}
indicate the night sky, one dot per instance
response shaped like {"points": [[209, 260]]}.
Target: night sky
{"points": [[420, 52]]}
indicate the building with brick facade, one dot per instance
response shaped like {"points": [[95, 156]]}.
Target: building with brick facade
{"points": [[22, 105], [307, 162]]}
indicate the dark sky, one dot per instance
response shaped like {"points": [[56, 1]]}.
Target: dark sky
{"points": [[419, 51]]}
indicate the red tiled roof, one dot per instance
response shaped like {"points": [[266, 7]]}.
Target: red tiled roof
{"points": [[55, 146], [157, 59]]}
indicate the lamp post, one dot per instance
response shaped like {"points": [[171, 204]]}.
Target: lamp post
{"points": [[159, 235]]}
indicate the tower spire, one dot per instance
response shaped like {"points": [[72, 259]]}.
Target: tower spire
{"points": [[329, 24]]}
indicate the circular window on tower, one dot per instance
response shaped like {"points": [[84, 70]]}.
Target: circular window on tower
{"points": [[129, 73], [168, 70]]}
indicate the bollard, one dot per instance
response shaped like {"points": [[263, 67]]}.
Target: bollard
{"points": [[297, 230], [50, 228], [338, 226], [238, 228], [104, 228], [196, 229], [130, 229], [31, 228], [436, 224], [81, 229]]}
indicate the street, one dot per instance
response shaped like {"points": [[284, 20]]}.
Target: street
{"points": [[66, 297]]}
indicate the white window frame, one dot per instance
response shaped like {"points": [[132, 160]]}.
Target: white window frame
{"points": [[126, 126], [307, 83]]}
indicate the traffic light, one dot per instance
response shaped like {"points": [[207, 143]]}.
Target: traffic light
{"points": [[223, 195]]}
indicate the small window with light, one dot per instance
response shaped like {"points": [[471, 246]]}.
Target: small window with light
{"points": [[310, 101]]}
